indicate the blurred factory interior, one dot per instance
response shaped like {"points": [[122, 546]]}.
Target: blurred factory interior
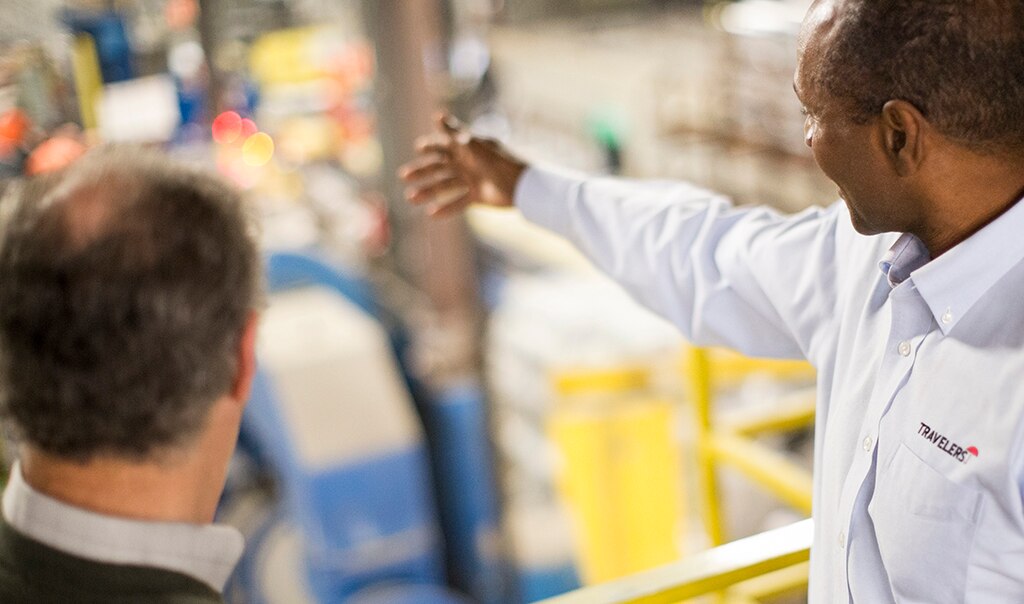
{"points": [[456, 410]]}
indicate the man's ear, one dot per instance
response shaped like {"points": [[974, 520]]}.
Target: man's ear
{"points": [[246, 359], [904, 131]]}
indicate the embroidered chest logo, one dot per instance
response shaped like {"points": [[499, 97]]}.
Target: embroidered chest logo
{"points": [[944, 444]]}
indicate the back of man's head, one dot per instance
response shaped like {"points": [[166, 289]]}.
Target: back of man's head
{"points": [[960, 62], [125, 284]]}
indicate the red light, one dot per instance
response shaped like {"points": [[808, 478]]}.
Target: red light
{"points": [[227, 127], [14, 124], [248, 128]]}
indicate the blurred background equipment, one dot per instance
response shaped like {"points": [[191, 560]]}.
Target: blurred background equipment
{"points": [[459, 410], [333, 419]]}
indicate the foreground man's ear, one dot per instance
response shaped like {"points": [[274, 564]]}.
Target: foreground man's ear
{"points": [[903, 134], [246, 359]]}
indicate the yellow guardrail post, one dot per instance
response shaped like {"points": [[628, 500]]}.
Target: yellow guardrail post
{"points": [[85, 66], [698, 384]]}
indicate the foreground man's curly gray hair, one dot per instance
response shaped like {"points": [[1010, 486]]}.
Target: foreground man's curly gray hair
{"points": [[125, 283]]}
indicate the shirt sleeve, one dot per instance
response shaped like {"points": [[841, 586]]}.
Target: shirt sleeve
{"points": [[746, 278]]}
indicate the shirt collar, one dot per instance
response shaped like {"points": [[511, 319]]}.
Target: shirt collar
{"points": [[207, 553], [952, 283], [904, 257]]}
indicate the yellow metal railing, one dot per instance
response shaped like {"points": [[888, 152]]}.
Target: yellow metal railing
{"points": [[708, 572], [731, 441], [597, 427], [722, 440]]}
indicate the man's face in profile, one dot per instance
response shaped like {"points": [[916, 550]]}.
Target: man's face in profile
{"points": [[851, 154]]}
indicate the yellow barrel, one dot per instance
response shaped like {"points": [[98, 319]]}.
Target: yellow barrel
{"points": [[620, 473]]}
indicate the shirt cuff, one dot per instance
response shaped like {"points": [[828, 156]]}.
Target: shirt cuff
{"points": [[544, 195]]}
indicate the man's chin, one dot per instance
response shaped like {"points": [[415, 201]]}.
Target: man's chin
{"points": [[859, 224]]}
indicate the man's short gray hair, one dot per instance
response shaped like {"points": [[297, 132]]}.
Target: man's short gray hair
{"points": [[125, 284]]}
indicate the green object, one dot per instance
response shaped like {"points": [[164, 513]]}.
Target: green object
{"points": [[607, 128]]}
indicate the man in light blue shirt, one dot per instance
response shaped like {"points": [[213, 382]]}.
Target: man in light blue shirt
{"points": [[907, 298]]}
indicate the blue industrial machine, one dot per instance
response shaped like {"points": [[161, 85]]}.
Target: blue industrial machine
{"points": [[330, 414], [457, 431]]}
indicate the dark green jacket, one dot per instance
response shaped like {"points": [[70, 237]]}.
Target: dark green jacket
{"points": [[33, 573]]}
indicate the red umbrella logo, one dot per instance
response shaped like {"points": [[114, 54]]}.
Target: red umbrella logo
{"points": [[973, 451]]}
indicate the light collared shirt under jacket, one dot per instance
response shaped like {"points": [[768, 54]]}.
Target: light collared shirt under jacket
{"points": [[207, 553], [919, 442]]}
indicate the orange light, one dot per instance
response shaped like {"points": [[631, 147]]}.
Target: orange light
{"points": [[227, 127], [14, 124], [258, 149]]}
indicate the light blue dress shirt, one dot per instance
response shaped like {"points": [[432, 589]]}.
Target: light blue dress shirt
{"points": [[919, 442]]}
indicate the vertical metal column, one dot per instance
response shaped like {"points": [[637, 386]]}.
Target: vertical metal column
{"points": [[434, 255], [207, 25]]}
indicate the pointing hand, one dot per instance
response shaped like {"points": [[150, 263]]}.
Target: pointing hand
{"points": [[453, 169]]}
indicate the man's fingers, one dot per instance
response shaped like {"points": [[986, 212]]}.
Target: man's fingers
{"points": [[426, 166], [431, 177], [435, 143], [447, 123], [449, 208], [453, 129], [440, 188]]}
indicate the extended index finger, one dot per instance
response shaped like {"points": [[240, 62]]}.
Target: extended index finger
{"points": [[435, 143], [424, 166]]}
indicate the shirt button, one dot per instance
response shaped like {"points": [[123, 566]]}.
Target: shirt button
{"points": [[904, 348], [842, 540], [947, 318], [867, 443]]}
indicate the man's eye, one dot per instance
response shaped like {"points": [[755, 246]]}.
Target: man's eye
{"points": [[803, 111]]}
